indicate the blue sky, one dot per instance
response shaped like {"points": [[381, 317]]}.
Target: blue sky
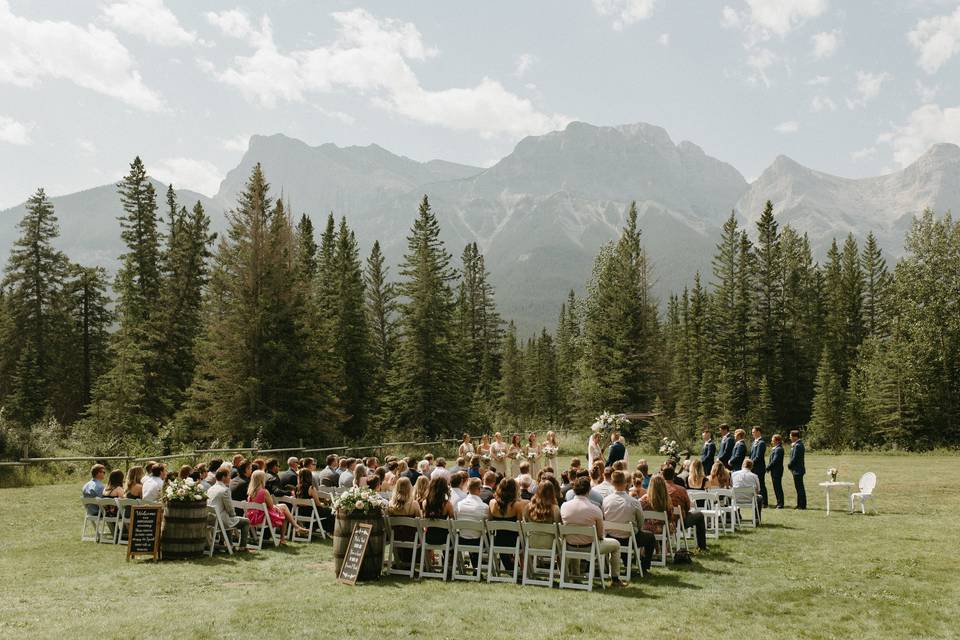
{"points": [[853, 88]]}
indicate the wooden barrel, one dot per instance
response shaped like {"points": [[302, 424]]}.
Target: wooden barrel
{"points": [[372, 565], [184, 529]]}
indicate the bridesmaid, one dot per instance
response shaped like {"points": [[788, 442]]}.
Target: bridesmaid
{"points": [[466, 448], [498, 453], [595, 450], [484, 450], [516, 448], [550, 459], [534, 448]]}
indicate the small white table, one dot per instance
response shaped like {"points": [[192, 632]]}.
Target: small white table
{"points": [[848, 486]]}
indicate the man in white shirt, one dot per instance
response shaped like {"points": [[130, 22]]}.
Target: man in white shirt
{"points": [[605, 488], [472, 507], [621, 507], [456, 493], [580, 511], [153, 484], [218, 497], [747, 478], [346, 478], [525, 473], [441, 471]]}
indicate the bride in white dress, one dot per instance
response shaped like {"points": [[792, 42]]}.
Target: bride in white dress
{"points": [[594, 449]]}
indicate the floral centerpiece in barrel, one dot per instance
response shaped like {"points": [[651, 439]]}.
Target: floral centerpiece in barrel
{"points": [[354, 506], [184, 519]]}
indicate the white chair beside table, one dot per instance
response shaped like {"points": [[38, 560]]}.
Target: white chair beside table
{"points": [[868, 482]]}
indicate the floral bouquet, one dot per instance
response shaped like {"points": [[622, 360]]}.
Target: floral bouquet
{"points": [[501, 455], [549, 450], [670, 448], [531, 455], [359, 499], [832, 474], [485, 458], [184, 490], [519, 455], [607, 421]]}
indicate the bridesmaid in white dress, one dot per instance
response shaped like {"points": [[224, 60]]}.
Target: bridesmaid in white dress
{"points": [[594, 449], [484, 450], [516, 448], [534, 448], [550, 459], [498, 453], [466, 447]]}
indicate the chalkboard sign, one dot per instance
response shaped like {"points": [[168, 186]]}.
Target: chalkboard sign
{"points": [[143, 537], [355, 550]]}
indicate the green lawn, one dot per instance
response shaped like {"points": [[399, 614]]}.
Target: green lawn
{"points": [[802, 575]]}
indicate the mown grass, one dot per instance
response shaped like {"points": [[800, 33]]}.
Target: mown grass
{"points": [[801, 575]]}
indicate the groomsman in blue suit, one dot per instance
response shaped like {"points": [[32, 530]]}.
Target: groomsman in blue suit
{"points": [[726, 446], [739, 450], [709, 451], [758, 453], [796, 466], [775, 468]]}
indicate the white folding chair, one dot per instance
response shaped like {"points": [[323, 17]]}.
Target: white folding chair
{"points": [[397, 522], [575, 553], [444, 548], [109, 531], [260, 530], [868, 483], [91, 518], [493, 561], [680, 534], [707, 505], [746, 498], [468, 546], [726, 505], [532, 554], [307, 515], [625, 534], [662, 538], [124, 517], [218, 532]]}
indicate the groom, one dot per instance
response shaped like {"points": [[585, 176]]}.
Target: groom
{"points": [[796, 466], [726, 446], [758, 454]]}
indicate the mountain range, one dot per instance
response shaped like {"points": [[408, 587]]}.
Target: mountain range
{"points": [[542, 212]]}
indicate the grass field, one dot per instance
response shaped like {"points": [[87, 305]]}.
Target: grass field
{"points": [[801, 575]]}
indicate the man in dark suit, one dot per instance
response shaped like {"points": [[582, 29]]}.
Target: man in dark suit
{"points": [[726, 446], [330, 477], [775, 469], [739, 450], [489, 487], [758, 453], [411, 473], [708, 452], [617, 450], [239, 485], [797, 468], [288, 479], [272, 470]]}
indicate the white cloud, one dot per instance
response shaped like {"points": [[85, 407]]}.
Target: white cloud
{"points": [[729, 18], [370, 57], [817, 81], [927, 93], [523, 63], [13, 131], [87, 146], [790, 126], [664, 39], [937, 40], [624, 12], [764, 18], [822, 103], [92, 58], [860, 154], [825, 44], [760, 60], [926, 125], [149, 19], [187, 173], [868, 88], [239, 142], [345, 118]]}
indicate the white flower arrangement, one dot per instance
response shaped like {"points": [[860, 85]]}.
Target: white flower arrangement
{"points": [[359, 499], [549, 450], [532, 455], [519, 455], [607, 421], [832, 474], [185, 490], [501, 454], [485, 458], [670, 448]]}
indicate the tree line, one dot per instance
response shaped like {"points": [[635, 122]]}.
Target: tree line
{"points": [[278, 332]]}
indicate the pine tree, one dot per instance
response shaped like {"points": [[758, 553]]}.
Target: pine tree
{"points": [[91, 316], [768, 301], [876, 315], [826, 426], [568, 357], [512, 384], [381, 309]]}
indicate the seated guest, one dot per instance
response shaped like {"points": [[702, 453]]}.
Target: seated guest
{"points": [[133, 488], [430, 466], [185, 471], [279, 514], [258, 463], [372, 463], [199, 475], [348, 468], [403, 504], [644, 468], [212, 468], [436, 506], [657, 499], [360, 473], [621, 508], [542, 509], [240, 484], [637, 490], [489, 487], [525, 482], [237, 459], [457, 480], [575, 464], [592, 494], [695, 478], [113, 489], [745, 477], [461, 465], [549, 478], [472, 507], [288, 479], [420, 489], [474, 470], [581, 511], [153, 484], [566, 483], [605, 488], [506, 505], [329, 475], [272, 471], [684, 472], [412, 474], [425, 468], [390, 476], [619, 465], [525, 473], [719, 477], [306, 490], [441, 471], [691, 518], [310, 464], [219, 498]]}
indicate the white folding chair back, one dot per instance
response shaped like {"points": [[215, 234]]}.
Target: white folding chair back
{"points": [[662, 538], [707, 504], [396, 522], [728, 510], [426, 569], [218, 533], [109, 532], [868, 483], [468, 546], [92, 519], [625, 534], [259, 530], [681, 530], [496, 551], [307, 515], [532, 554], [746, 498], [575, 553], [123, 522]]}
